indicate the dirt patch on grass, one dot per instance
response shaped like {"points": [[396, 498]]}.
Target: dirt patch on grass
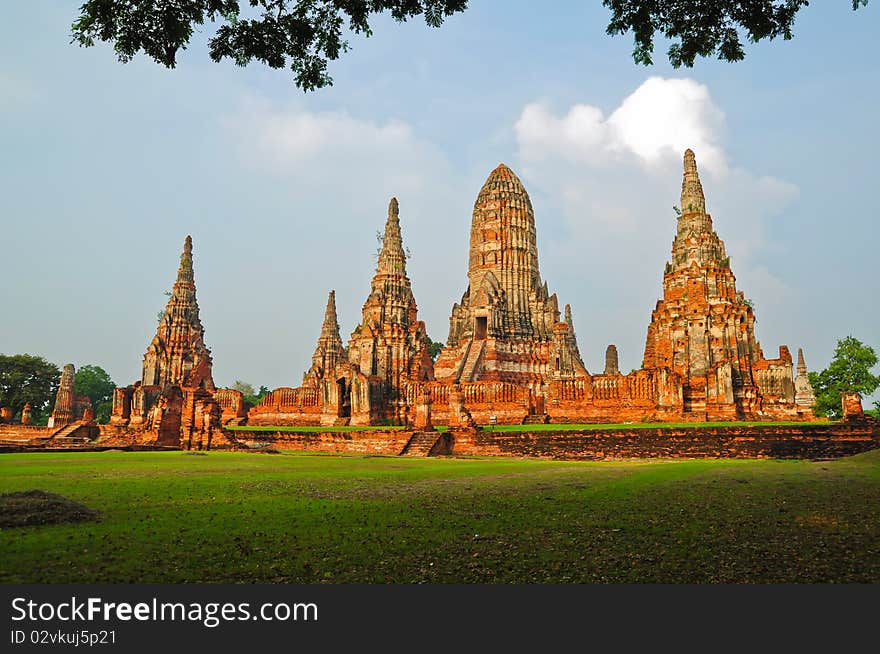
{"points": [[36, 507]]}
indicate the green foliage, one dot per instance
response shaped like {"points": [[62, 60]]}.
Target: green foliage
{"points": [[251, 396], [434, 349], [701, 29], [849, 370], [26, 378], [304, 35], [94, 382], [676, 210]]}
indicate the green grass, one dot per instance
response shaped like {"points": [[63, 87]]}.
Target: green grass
{"points": [[539, 427], [241, 517]]}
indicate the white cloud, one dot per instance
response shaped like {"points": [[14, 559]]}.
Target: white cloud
{"points": [[656, 123], [337, 149]]}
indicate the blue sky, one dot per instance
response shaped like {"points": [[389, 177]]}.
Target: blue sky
{"points": [[106, 167]]}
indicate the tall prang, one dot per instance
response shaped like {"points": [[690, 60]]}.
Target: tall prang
{"points": [[507, 326], [177, 355], [390, 345], [329, 352], [175, 402], [704, 328]]}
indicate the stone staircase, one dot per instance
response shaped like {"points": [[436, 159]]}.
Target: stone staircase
{"points": [[537, 419], [67, 430], [421, 443], [76, 433], [694, 399], [475, 351], [235, 422]]}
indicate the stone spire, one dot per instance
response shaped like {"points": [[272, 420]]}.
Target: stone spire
{"points": [[177, 355], [63, 411], [392, 259], [329, 351], [572, 337], [803, 389], [704, 328], [611, 365], [692, 198], [695, 239], [391, 298], [389, 341]]}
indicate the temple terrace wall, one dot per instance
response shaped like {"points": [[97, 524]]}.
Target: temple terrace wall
{"points": [[765, 442]]}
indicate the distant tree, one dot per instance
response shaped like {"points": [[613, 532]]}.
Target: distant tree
{"points": [[250, 396], [243, 387], [304, 35], [701, 29], [94, 382], [434, 349], [849, 370], [26, 378]]}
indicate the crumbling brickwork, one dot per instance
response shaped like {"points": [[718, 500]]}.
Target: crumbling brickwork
{"points": [[173, 403]]}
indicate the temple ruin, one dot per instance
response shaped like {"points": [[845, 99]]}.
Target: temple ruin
{"points": [[175, 403], [511, 357]]}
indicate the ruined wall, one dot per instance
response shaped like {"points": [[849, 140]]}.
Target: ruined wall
{"points": [[790, 442], [779, 442], [390, 442]]}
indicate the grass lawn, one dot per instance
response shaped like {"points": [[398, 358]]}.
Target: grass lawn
{"points": [[539, 427], [241, 517]]}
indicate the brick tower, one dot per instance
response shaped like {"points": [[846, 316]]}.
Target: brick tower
{"points": [[390, 345], [704, 329], [507, 326]]}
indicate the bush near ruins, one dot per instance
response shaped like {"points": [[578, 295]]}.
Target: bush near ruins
{"points": [[24, 379], [95, 383], [849, 370]]}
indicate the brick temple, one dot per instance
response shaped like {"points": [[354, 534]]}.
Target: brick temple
{"points": [[513, 357], [176, 403]]}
